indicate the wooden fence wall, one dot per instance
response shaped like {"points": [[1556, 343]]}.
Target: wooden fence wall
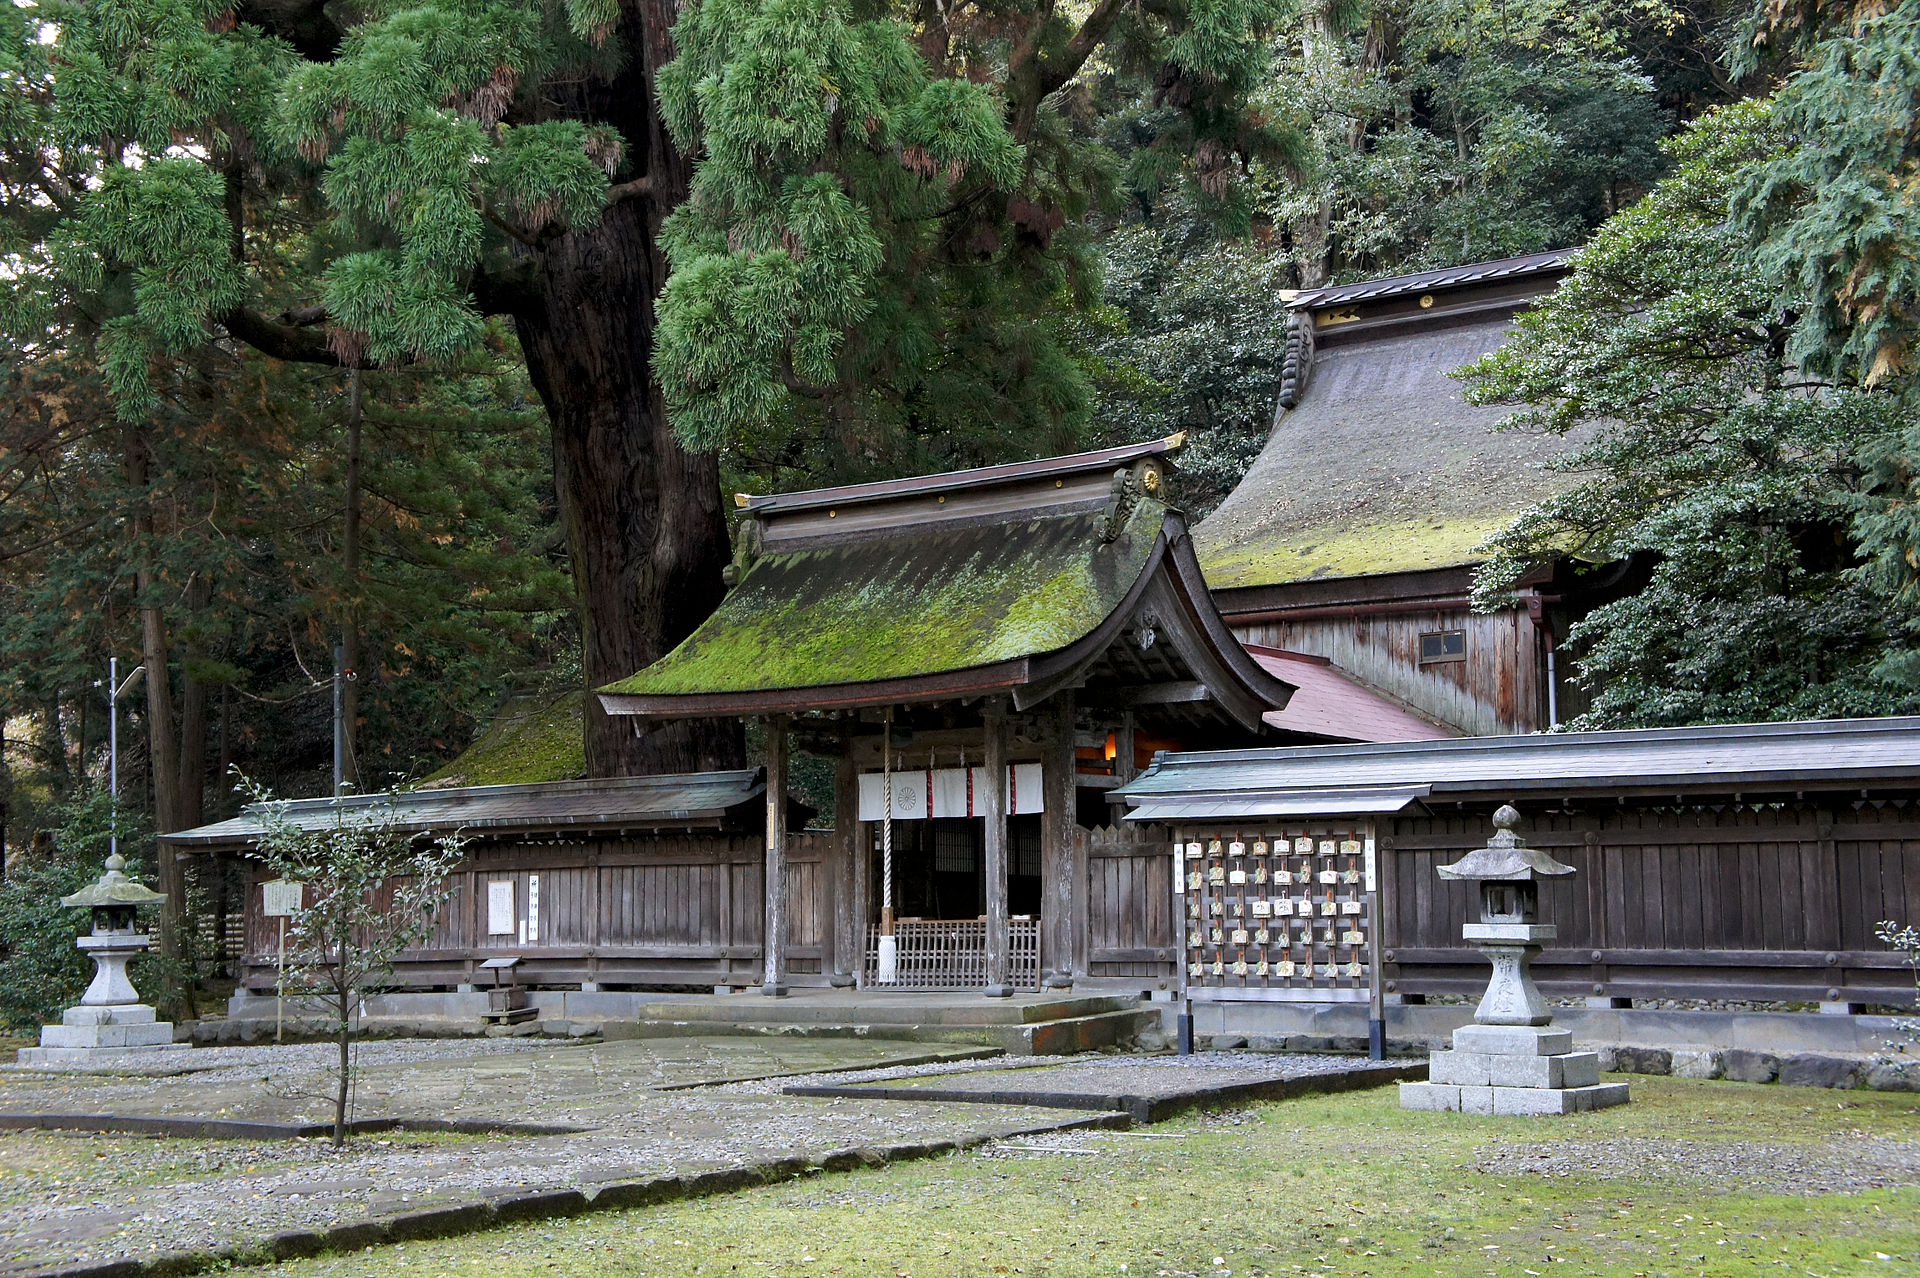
{"points": [[1130, 906], [1762, 902], [647, 911]]}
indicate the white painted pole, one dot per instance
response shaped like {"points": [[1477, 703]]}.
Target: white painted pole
{"points": [[889, 964]]}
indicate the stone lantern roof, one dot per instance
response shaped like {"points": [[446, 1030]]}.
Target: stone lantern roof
{"points": [[113, 888], [1504, 858]]}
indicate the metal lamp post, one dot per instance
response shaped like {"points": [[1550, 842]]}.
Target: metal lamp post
{"points": [[115, 691]]}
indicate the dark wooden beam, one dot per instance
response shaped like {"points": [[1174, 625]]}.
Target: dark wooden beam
{"points": [[1062, 910], [993, 805], [1177, 692], [847, 921]]}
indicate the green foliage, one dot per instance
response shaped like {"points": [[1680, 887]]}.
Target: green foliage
{"points": [[1191, 338], [461, 584], [1707, 447], [371, 891], [1834, 208], [883, 227], [1447, 133], [41, 971]]}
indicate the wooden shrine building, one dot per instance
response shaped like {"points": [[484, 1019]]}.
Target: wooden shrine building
{"points": [[1355, 534], [987, 655]]}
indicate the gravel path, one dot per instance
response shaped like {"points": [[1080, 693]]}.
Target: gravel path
{"points": [[1859, 1162], [234, 1064], [65, 1197], [1146, 1076]]}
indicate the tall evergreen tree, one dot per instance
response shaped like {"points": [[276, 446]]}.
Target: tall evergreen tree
{"points": [[881, 201]]}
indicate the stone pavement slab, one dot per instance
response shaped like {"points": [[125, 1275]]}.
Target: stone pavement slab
{"points": [[1149, 1089]]}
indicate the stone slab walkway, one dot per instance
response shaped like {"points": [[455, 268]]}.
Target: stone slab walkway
{"points": [[1148, 1089], [122, 1205]]}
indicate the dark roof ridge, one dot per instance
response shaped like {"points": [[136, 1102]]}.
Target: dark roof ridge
{"points": [[949, 481], [529, 789], [1442, 278]]}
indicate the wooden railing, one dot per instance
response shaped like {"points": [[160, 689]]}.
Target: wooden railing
{"points": [[951, 954]]}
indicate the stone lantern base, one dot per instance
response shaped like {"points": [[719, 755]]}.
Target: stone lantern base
{"points": [[110, 1022], [1513, 1069], [100, 1036]]}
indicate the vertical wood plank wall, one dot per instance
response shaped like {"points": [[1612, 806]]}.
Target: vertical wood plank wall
{"points": [[1130, 906], [1499, 688], [1766, 902], [642, 910]]}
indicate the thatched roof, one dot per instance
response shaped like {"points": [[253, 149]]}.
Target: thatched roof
{"points": [[1380, 465]]}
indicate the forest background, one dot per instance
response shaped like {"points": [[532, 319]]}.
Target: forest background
{"points": [[436, 329]]}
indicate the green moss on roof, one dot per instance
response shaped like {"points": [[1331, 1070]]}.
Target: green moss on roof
{"points": [[534, 739], [1410, 546], [909, 603]]}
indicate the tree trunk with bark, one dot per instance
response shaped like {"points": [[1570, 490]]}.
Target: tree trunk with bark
{"points": [[642, 515], [350, 587]]}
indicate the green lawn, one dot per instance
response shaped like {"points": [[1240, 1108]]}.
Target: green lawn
{"points": [[1692, 1178]]}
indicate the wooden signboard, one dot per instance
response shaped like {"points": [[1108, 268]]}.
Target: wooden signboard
{"points": [[1280, 912]]}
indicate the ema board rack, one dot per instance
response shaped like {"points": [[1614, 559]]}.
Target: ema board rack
{"points": [[1281, 913]]}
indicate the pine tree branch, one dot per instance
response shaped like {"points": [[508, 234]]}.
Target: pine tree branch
{"points": [[629, 190], [509, 229], [298, 343]]}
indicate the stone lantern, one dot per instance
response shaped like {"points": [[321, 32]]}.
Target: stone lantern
{"points": [[1510, 1060], [110, 1020]]}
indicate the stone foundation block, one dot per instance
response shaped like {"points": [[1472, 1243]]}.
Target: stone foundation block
{"points": [[1513, 1040], [1742, 1066], [1533, 1101], [1643, 1060], [1602, 1096], [1696, 1065], [118, 1014], [154, 1034], [1573, 1069], [1810, 1070], [69, 1057], [1458, 1068], [1434, 1097], [1538, 1101], [1476, 1100]]}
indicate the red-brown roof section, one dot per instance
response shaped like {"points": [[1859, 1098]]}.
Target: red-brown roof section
{"points": [[1328, 702]]}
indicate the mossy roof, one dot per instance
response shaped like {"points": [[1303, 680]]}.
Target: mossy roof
{"points": [[532, 739], [902, 603], [1382, 467]]}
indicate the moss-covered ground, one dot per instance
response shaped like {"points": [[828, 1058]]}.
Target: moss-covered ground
{"points": [[1692, 1178]]}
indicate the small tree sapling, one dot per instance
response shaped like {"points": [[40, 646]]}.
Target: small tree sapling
{"points": [[1904, 1046], [371, 890]]}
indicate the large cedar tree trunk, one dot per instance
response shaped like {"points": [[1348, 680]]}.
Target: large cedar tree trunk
{"points": [[642, 515]]}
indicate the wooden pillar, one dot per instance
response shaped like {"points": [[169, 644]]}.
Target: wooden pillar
{"points": [[993, 808], [848, 911], [1062, 908], [773, 940]]}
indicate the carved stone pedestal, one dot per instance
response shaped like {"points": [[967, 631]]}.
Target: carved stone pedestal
{"points": [[1512, 1069], [1511, 1060], [110, 1021]]}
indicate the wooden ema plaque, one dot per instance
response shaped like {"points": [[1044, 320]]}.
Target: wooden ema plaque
{"points": [[1282, 913]]}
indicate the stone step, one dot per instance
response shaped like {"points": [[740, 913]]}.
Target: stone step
{"points": [[1060, 1037]]}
